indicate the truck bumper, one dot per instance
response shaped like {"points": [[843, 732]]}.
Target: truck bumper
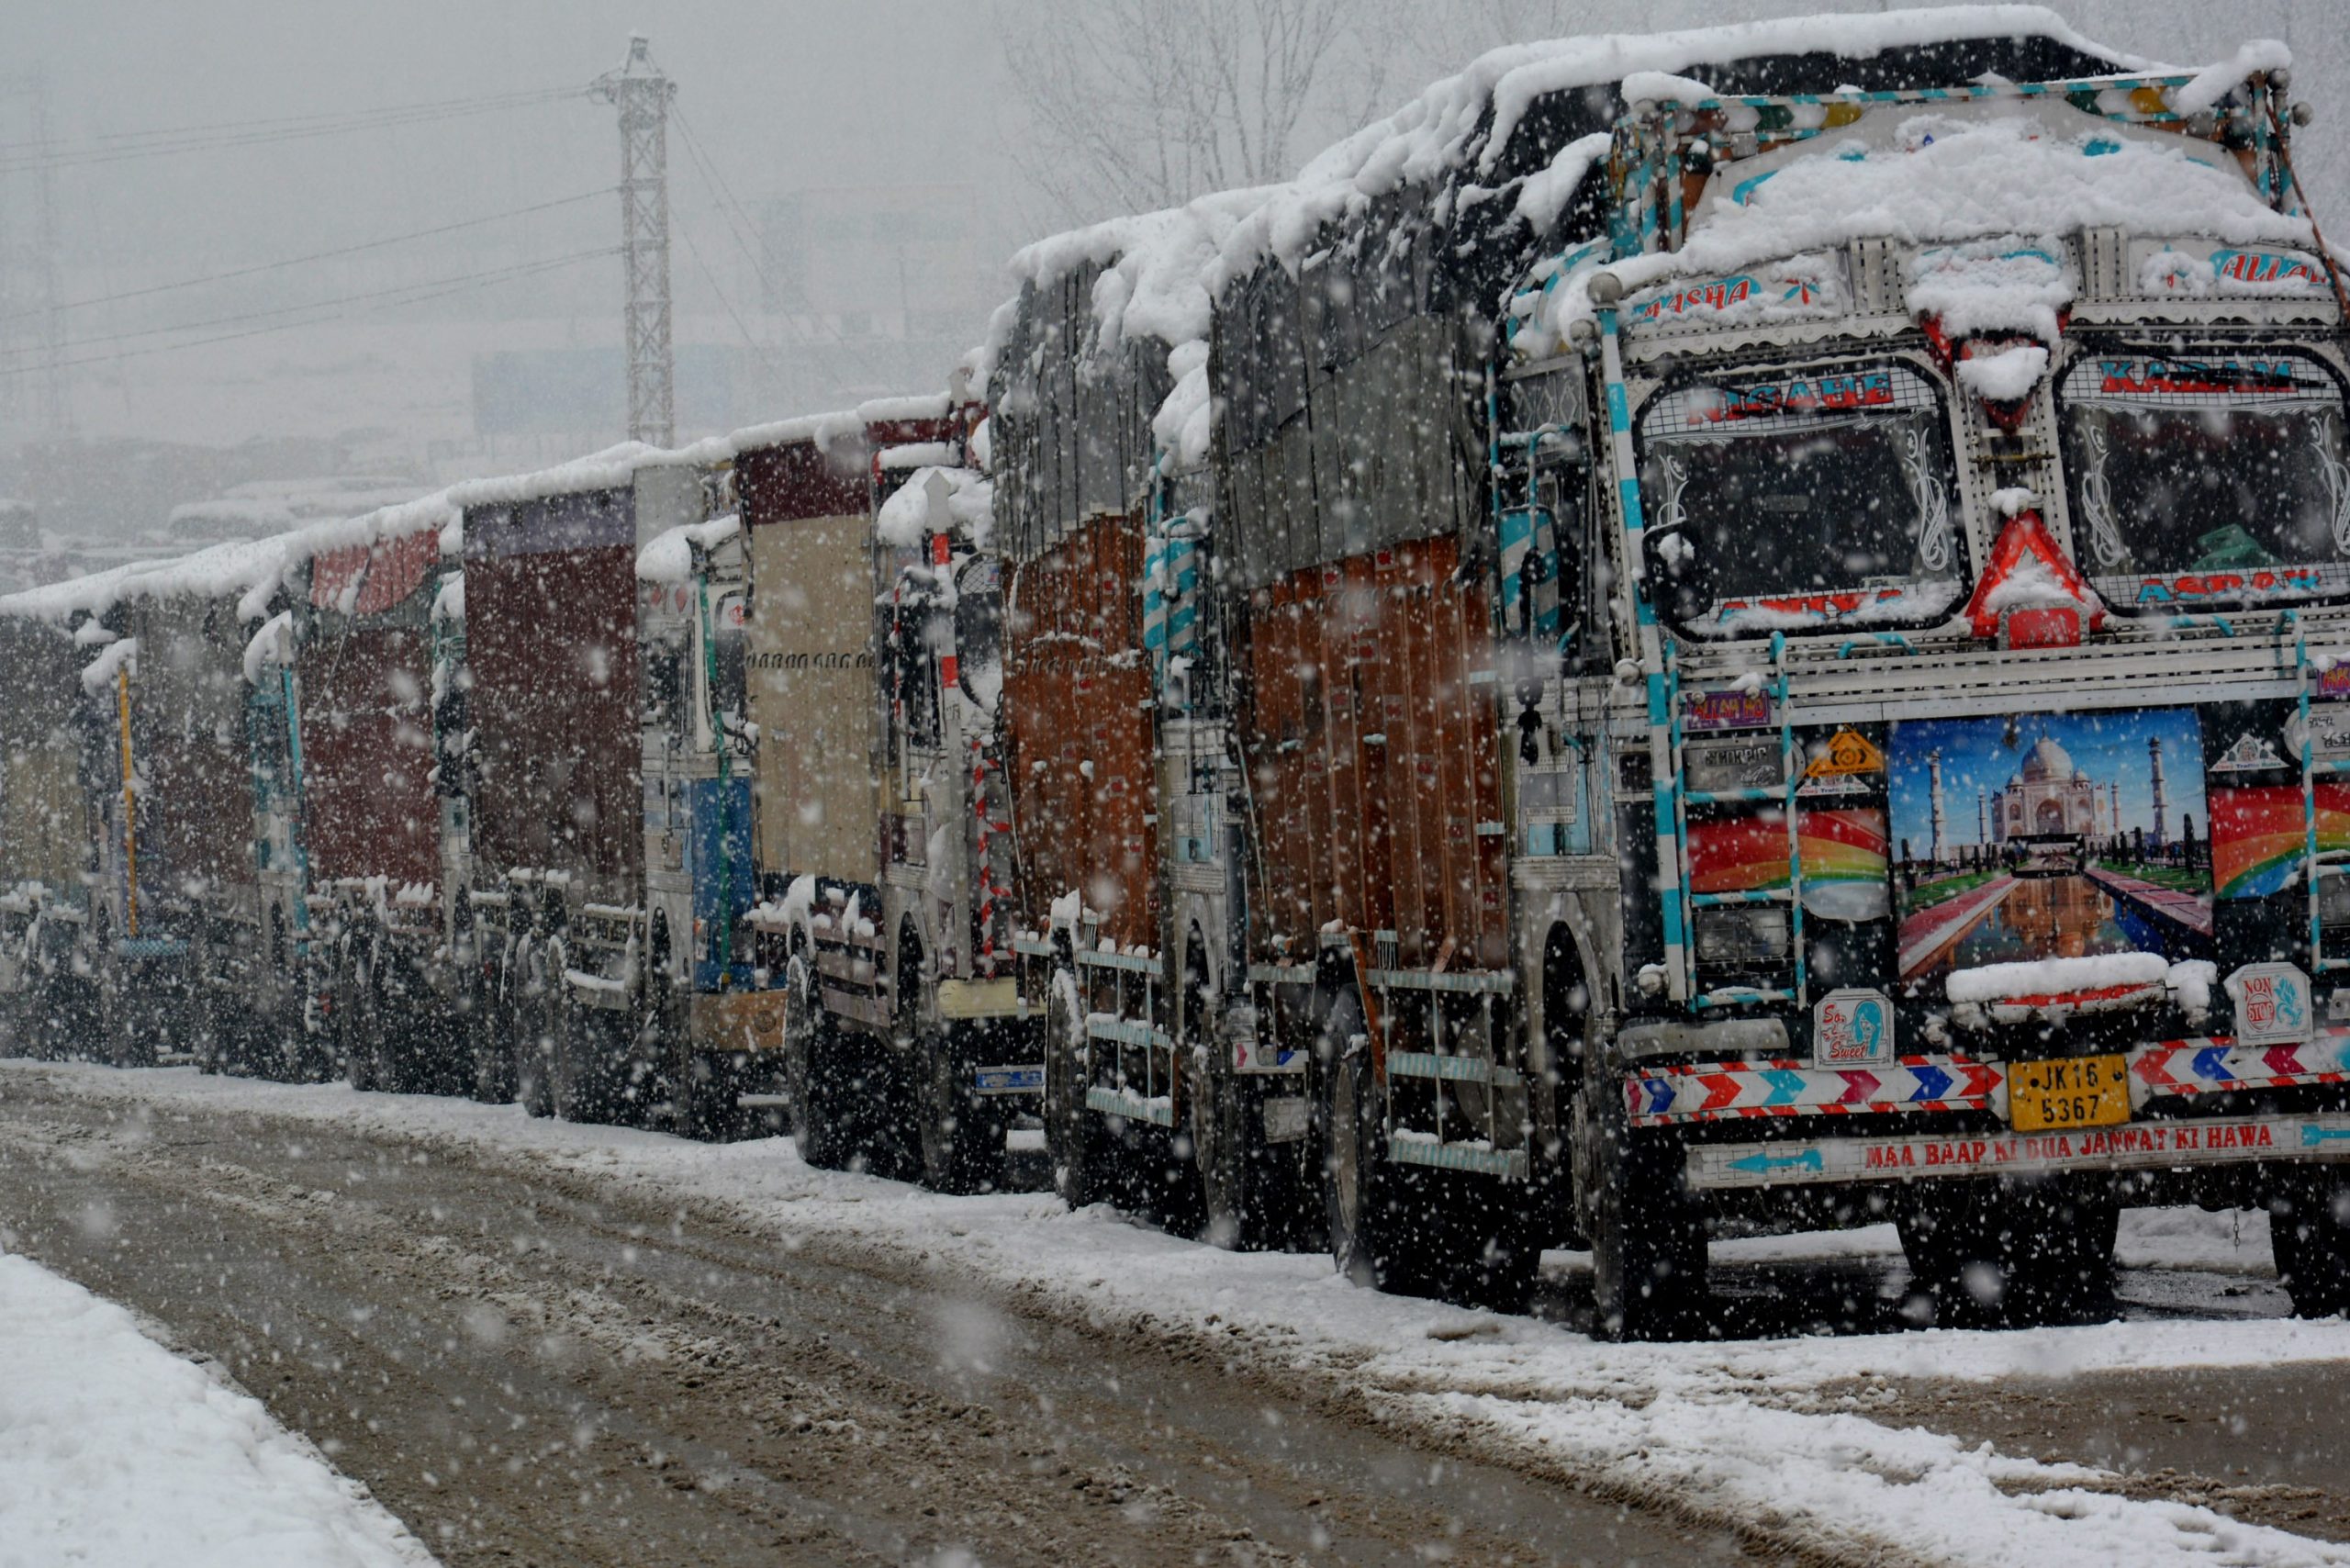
{"points": [[2195, 1102], [2134, 1146]]}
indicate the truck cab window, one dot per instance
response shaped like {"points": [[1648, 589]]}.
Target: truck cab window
{"points": [[978, 633], [2215, 478], [663, 673], [1800, 498], [729, 663]]}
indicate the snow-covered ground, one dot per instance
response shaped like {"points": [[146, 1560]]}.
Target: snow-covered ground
{"points": [[117, 1453], [1763, 1435]]}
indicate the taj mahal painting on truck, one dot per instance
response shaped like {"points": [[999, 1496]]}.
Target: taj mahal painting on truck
{"points": [[2050, 836]]}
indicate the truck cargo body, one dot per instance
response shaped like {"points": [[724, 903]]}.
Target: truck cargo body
{"points": [[882, 829], [554, 775], [550, 650], [46, 832], [365, 672], [1078, 689], [371, 813]]}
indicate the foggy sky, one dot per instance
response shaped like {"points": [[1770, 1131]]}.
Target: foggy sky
{"points": [[782, 96]]}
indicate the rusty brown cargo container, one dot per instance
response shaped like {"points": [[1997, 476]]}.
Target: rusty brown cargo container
{"points": [[1373, 747], [1077, 690], [364, 665], [550, 650]]}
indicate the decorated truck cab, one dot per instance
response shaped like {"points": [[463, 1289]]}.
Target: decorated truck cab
{"points": [[1961, 485]]}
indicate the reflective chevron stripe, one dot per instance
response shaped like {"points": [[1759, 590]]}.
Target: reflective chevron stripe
{"points": [[2218, 1065], [1705, 1091]]}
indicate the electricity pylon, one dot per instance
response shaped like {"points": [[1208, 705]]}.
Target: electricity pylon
{"points": [[642, 95]]}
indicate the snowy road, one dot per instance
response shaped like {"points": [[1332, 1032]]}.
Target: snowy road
{"points": [[543, 1343]]}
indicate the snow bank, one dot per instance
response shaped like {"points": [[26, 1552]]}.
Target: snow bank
{"points": [[115, 1451], [1728, 1430]]}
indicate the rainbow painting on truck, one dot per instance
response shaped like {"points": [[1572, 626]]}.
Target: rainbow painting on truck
{"points": [[1843, 854], [2259, 836]]}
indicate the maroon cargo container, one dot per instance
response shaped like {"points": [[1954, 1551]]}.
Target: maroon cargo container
{"points": [[365, 671], [1077, 695], [550, 650], [1371, 744]]}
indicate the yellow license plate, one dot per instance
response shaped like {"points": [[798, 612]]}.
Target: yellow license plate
{"points": [[2078, 1092]]}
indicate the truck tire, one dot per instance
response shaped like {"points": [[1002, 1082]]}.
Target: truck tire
{"points": [[362, 1064], [962, 1133], [1648, 1237], [1384, 1230], [590, 1062], [1258, 1196], [1075, 1138], [531, 1006], [808, 1070], [2308, 1230]]}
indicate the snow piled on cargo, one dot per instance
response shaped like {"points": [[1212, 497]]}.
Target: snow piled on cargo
{"points": [[1162, 270], [2026, 172], [668, 555], [824, 430], [904, 519], [113, 1450], [1742, 1433]]}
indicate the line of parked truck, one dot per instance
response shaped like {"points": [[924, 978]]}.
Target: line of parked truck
{"points": [[1376, 711]]}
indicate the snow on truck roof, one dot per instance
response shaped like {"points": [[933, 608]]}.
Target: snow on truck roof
{"points": [[1162, 273], [1170, 263], [253, 570]]}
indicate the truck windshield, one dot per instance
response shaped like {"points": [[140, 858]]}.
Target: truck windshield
{"points": [[1800, 499], [2217, 479]]}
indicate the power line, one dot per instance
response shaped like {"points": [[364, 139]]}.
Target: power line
{"points": [[53, 142], [728, 210], [313, 256], [490, 274], [711, 278], [417, 114], [477, 281]]}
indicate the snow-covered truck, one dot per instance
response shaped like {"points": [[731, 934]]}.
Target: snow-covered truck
{"points": [[1852, 551], [1118, 701], [551, 920], [190, 881], [1647, 507], [708, 1019], [364, 656], [47, 834], [883, 838]]}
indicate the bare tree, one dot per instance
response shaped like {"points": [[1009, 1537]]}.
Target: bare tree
{"points": [[1134, 105]]}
